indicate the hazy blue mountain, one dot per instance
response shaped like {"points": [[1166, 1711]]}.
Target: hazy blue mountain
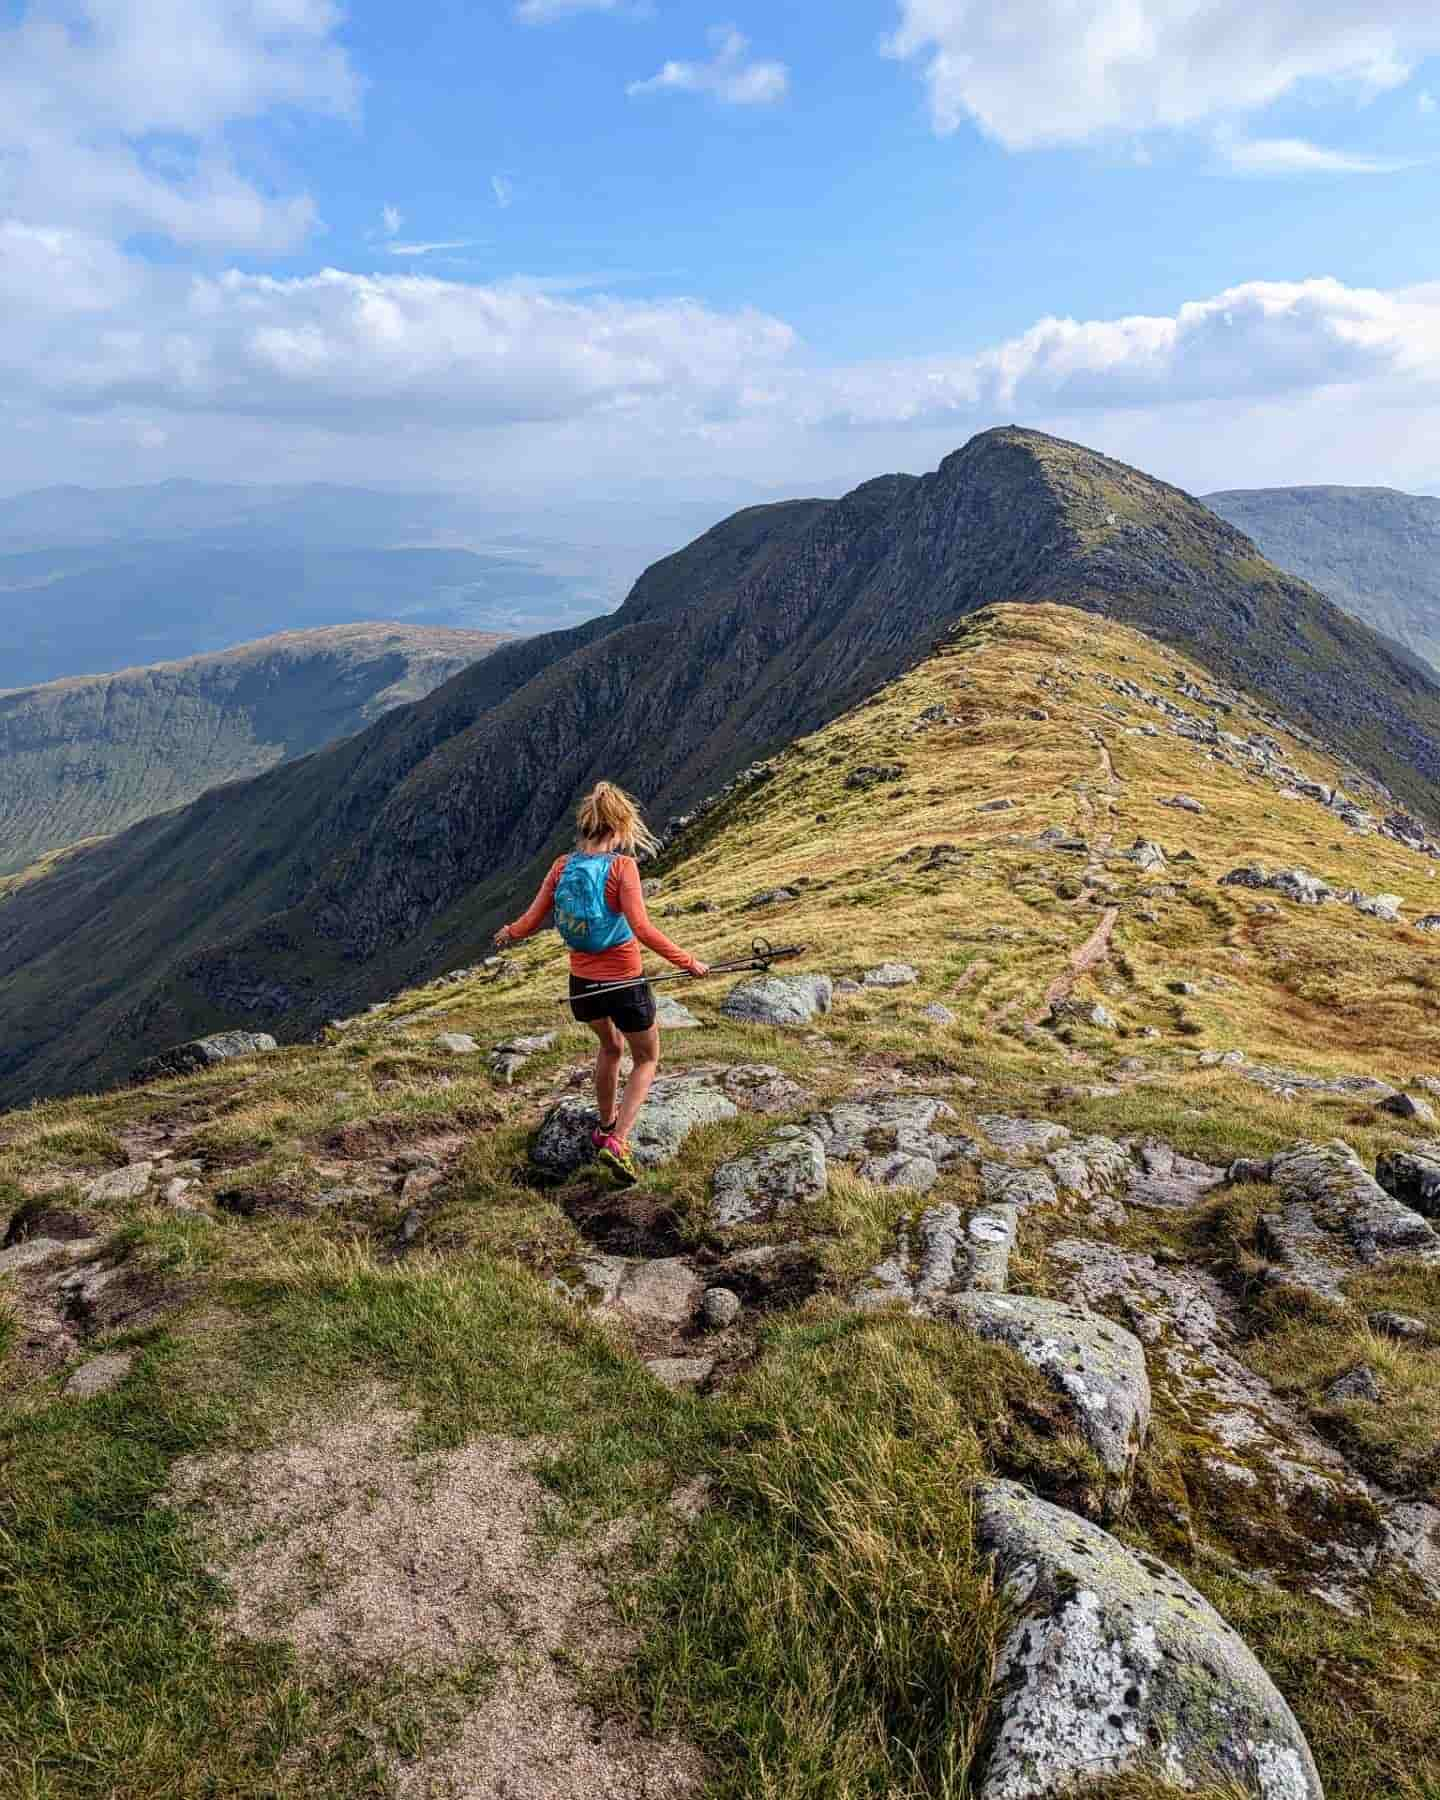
{"points": [[96, 579], [1374, 551]]}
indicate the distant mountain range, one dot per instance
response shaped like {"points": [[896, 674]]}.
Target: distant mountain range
{"points": [[96, 579], [91, 755], [1373, 551], [388, 856]]}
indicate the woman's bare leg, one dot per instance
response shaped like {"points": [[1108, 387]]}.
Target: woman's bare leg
{"points": [[607, 1066], [645, 1048]]}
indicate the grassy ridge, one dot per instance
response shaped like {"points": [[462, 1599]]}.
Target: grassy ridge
{"points": [[821, 1627]]}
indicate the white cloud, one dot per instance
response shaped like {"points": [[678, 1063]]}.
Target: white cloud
{"points": [[430, 249], [541, 12], [729, 76], [1296, 156], [1042, 72], [503, 190], [391, 219], [114, 113], [324, 375]]}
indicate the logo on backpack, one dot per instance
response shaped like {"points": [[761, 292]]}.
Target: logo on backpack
{"points": [[582, 917]]}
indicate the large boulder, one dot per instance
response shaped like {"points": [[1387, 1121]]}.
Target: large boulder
{"points": [[1113, 1662], [787, 1168], [778, 999], [203, 1053], [678, 1105], [1413, 1177], [1335, 1216], [1099, 1367]]}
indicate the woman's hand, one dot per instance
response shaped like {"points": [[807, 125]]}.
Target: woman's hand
{"points": [[700, 969], [503, 939]]}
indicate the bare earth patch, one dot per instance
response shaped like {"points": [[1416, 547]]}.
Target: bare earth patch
{"points": [[366, 1556]]}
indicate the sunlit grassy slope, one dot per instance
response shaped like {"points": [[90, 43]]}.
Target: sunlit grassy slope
{"points": [[823, 1629]]}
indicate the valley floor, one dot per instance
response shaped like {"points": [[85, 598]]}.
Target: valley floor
{"points": [[359, 1439]]}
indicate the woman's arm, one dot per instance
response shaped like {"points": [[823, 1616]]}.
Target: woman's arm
{"points": [[632, 904], [536, 913]]}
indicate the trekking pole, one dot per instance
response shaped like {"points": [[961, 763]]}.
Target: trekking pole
{"points": [[762, 954]]}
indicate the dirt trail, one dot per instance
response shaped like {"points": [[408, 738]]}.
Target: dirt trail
{"points": [[1094, 950]]}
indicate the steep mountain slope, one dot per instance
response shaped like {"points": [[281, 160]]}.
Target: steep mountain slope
{"points": [[1373, 551], [1024, 1206], [317, 886], [89, 756]]}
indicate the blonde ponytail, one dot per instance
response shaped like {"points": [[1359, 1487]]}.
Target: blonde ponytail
{"points": [[608, 812]]}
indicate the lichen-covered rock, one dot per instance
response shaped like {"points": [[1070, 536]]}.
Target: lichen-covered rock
{"points": [[757, 1087], [1162, 1177], [720, 1308], [100, 1374], [778, 999], [1099, 1367], [891, 1138], [460, 1043], [869, 775], [1333, 1215], [507, 1059], [1093, 1013], [1090, 1167], [937, 1013], [1004, 1185], [941, 1255], [891, 975], [1409, 1106], [202, 1053], [1022, 1135], [120, 1184], [680, 1372], [1360, 1383], [787, 1168], [672, 1015], [1413, 1176], [1114, 1662], [678, 1105]]}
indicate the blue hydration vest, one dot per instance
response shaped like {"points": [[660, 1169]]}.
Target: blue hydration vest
{"points": [[581, 916]]}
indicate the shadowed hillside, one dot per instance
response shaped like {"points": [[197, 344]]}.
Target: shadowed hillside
{"points": [[317, 886], [88, 756], [1000, 1378]]}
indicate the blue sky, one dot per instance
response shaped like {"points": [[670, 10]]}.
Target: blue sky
{"points": [[522, 246]]}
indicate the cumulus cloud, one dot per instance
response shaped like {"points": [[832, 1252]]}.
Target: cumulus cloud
{"points": [[1307, 380], [1042, 72], [114, 114], [1296, 156], [729, 75]]}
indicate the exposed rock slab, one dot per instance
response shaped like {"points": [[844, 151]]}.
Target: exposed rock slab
{"points": [[1162, 1177], [508, 1059], [664, 1290], [891, 1138], [940, 1255], [673, 1015], [100, 1374], [1022, 1135], [1115, 1661], [120, 1184], [1335, 1216], [1098, 1366]]}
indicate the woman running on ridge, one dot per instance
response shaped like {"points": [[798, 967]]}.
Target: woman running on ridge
{"points": [[599, 910]]}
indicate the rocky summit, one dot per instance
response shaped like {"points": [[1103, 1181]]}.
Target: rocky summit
{"points": [[381, 861], [1016, 1372]]}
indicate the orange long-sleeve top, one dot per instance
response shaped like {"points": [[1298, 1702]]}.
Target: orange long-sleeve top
{"points": [[622, 895]]}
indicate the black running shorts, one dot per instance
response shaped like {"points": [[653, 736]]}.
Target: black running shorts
{"points": [[632, 1008]]}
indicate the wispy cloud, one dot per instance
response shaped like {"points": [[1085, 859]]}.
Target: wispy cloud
{"points": [[542, 12], [729, 75], [431, 248], [1297, 156], [1427, 103], [503, 189], [391, 219]]}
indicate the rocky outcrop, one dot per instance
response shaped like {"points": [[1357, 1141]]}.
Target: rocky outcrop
{"points": [[678, 1105], [1113, 1662], [1334, 1218], [891, 1139], [509, 1058], [203, 1053]]}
